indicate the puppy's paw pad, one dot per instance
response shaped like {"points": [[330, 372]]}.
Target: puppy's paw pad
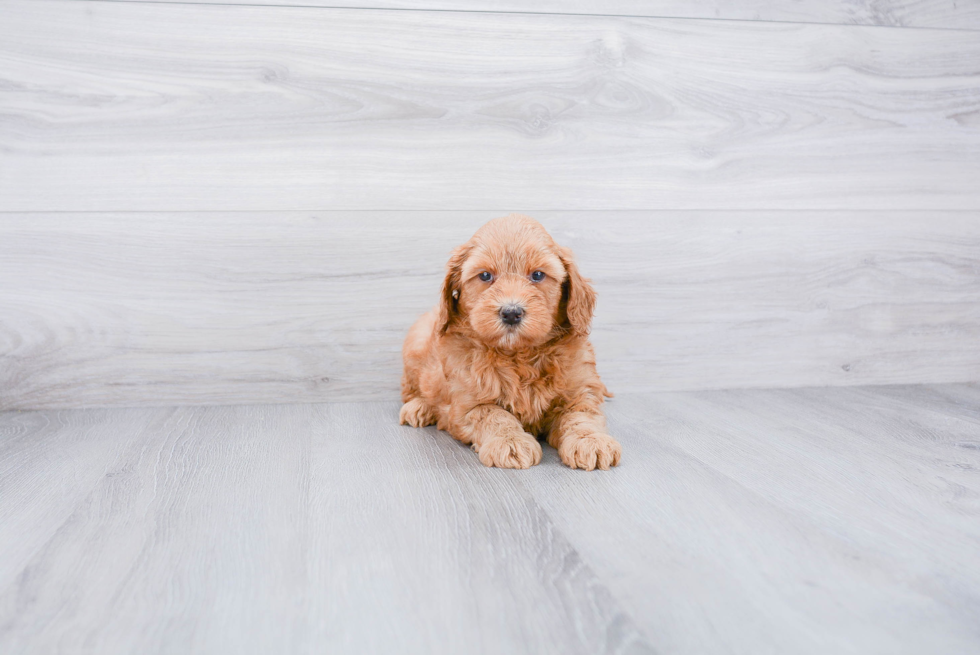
{"points": [[416, 413], [590, 452], [517, 452]]}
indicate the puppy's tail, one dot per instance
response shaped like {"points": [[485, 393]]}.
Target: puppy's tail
{"points": [[606, 392]]}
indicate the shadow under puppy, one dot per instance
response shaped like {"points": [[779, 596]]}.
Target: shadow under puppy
{"points": [[505, 356]]}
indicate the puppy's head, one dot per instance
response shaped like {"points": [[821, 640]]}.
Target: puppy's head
{"points": [[513, 287]]}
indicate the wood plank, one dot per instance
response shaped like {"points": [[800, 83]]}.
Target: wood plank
{"points": [[804, 521], [73, 449], [225, 308], [893, 13], [297, 529], [959, 401], [460, 557], [144, 106]]}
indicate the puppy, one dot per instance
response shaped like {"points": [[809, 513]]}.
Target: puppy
{"points": [[505, 357]]}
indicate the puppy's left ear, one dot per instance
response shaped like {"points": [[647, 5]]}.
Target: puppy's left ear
{"points": [[452, 287], [578, 296]]}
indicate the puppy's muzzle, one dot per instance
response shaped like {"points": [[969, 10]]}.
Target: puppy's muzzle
{"points": [[511, 314]]}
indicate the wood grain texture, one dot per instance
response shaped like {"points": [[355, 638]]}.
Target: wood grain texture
{"points": [[891, 13], [147, 106], [804, 521], [226, 308], [753, 521], [295, 529]]}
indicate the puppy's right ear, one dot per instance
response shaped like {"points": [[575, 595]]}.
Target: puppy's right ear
{"points": [[452, 288]]}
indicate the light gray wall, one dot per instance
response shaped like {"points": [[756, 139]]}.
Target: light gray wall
{"points": [[953, 14], [225, 204]]}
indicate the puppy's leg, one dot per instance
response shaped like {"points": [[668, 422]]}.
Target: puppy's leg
{"points": [[416, 413], [415, 353], [498, 437], [578, 433]]}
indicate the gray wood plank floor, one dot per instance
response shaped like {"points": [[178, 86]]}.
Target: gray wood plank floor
{"points": [[239, 307], [803, 521], [113, 106]]}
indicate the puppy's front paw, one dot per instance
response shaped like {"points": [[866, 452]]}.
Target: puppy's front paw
{"points": [[511, 451], [590, 451], [416, 413]]}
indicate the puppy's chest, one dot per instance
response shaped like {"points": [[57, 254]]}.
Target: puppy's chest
{"points": [[526, 391]]}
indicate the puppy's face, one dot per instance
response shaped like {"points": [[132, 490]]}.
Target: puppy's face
{"points": [[514, 287], [510, 292]]}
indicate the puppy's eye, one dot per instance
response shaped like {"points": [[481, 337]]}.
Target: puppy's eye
{"points": [[537, 276], [486, 276]]}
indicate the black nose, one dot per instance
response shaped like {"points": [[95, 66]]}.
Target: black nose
{"points": [[511, 314]]}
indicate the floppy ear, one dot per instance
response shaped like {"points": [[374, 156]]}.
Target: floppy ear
{"points": [[452, 287], [577, 295]]}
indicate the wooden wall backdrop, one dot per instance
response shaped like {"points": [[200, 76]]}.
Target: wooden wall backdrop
{"points": [[952, 14], [210, 203], [120, 106]]}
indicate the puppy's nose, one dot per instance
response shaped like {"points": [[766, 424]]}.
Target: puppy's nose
{"points": [[511, 314]]}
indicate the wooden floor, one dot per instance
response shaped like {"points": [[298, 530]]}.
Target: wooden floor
{"points": [[783, 521]]}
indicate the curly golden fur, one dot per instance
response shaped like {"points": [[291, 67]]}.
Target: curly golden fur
{"points": [[505, 357]]}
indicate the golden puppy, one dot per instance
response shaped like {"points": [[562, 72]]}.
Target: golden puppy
{"points": [[505, 355]]}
